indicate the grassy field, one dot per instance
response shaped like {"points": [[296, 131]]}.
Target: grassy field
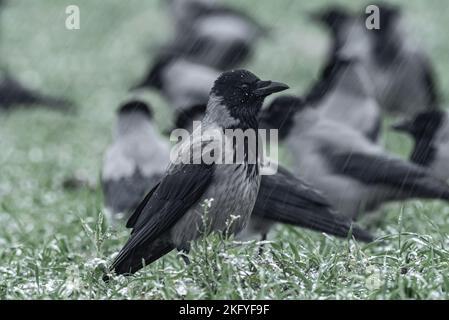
{"points": [[54, 243]]}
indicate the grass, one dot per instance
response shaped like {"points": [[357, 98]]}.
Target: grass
{"points": [[54, 243]]}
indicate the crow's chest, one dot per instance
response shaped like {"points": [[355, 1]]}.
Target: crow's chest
{"points": [[226, 206]]}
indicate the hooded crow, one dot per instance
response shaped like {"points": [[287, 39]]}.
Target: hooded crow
{"points": [[430, 132], [344, 93], [136, 160], [183, 83], [12, 93], [353, 173], [215, 35], [173, 213], [402, 74]]}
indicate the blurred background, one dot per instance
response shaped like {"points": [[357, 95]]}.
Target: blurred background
{"points": [[95, 66]]}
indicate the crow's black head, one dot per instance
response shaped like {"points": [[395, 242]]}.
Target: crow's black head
{"points": [[332, 17], [135, 107], [243, 93]]}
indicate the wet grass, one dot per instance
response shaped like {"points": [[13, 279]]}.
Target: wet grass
{"points": [[54, 242]]}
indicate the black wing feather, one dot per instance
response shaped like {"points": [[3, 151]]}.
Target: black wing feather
{"points": [[133, 219], [165, 205], [285, 198], [392, 172]]}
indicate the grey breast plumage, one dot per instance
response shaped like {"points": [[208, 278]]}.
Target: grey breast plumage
{"points": [[345, 93], [135, 161]]}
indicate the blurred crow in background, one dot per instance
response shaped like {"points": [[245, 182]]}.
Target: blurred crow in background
{"points": [[353, 173], [184, 12], [183, 83], [430, 133], [13, 94], [214, 34], [136, 160], [173, 213], [344, 93], [402, 74]]}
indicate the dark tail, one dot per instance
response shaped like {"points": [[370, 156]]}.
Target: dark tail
{"points": [[128, 263], [427, 187], [286, 199]]}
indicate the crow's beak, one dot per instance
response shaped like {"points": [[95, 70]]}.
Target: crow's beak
{"points": [[265, 88], [402, 126]]}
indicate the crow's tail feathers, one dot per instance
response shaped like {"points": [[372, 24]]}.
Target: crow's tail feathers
{"points": [[286, 199], [128, 263]]}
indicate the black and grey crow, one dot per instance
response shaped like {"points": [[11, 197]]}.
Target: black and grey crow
{"points": [[344, 93], [182, 82], [136, 160], [173, 214], [12, 94], [430, 132], [402, 74], [354, 174], [214, 34]]}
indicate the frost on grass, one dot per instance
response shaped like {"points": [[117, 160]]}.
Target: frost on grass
{"points": [[46, 230]]}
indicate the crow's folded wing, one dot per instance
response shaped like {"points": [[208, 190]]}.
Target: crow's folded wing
{"points": [[390, 172], [285, 198], [181, 188]]}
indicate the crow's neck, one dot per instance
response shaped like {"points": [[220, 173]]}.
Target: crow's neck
{"points": [[386, 49], [243, 117]]}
